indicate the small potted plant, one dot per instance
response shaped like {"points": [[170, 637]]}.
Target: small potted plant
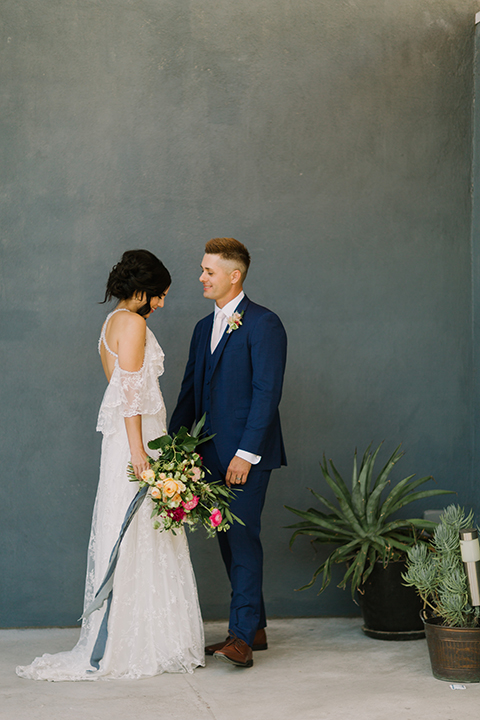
{"points": [[452, 624], [371, 544]]}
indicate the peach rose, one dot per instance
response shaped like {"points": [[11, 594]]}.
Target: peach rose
{"points": [[147, 475], [169, 487], [156, 494], [172, 487]]}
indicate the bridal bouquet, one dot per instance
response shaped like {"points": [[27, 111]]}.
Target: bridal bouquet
{"points": [[178, 489]]}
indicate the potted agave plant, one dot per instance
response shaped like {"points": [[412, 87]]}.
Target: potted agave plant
{"points": [[371, 544], [452, 624]]}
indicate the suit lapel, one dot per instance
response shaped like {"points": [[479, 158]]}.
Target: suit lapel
{"points": [[226, 336]]}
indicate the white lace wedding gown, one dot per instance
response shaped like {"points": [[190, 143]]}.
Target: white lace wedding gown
{"points": [[155, 624]]}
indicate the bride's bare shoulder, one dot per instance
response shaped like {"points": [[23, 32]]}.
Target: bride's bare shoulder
{"points": [[125, 328], [129, 320]]}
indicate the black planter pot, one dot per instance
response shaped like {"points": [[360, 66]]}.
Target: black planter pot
{"points": [[390, 610]]}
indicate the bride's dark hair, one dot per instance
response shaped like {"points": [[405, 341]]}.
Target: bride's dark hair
{"points": [[138, 271]]}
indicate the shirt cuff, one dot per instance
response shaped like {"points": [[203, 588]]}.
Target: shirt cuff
{"points": [[249, 457]]}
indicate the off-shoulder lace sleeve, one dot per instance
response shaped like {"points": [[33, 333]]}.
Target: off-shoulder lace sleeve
{"points": [[133, 393]]}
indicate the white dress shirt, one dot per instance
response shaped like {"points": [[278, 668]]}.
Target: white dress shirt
{"points": [[228, 311]]}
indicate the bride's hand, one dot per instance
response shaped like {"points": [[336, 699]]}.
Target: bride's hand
{"points": [[139, 462]]}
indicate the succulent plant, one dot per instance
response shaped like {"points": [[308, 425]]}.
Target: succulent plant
{"points": [[359, 524], [436, 571]]}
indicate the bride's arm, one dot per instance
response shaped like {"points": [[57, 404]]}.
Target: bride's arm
{"points": [[131, 352], [137, 451]]}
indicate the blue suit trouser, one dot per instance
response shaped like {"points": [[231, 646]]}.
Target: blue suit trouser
{"points": [[241, 548]]}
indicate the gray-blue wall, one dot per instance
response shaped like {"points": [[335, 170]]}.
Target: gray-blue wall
{"points": [[334, 139]]}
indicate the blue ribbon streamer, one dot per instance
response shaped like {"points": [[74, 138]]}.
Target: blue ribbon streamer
{"points": [[105, 590]]}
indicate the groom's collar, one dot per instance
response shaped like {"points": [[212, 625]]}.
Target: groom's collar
{"points": [[231, 306]]}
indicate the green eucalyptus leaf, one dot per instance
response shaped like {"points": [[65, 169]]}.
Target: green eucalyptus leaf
{"points": [[181, 435], [160, 443], [205, 439], [198, 427], [188, 445]]}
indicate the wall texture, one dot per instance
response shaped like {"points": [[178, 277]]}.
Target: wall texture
{"points": [[334, 139]]}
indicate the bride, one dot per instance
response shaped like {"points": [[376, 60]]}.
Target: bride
{"points": [[154, 623]]}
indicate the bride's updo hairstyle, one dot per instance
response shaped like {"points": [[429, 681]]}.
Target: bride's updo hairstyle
{"points": [[139, 271]]}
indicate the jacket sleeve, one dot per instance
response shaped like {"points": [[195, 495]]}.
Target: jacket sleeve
{"points": [[268, 356], [184, 413]]}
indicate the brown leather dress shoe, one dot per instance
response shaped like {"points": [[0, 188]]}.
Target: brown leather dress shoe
{"points": [[259, 643], [235, 652]]}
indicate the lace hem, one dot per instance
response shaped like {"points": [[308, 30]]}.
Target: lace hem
{"points": [[48, 668]]}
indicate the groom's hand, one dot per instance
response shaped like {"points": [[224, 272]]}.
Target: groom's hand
{"points": [[237, 472]]}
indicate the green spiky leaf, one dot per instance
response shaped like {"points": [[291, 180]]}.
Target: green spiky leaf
{"points": [[359, 524]]}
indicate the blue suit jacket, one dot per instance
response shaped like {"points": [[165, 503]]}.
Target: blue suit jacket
{"points": [[245, 386]]}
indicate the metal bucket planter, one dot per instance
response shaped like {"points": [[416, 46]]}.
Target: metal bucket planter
{"points": [[390, 610], [454, 652]]}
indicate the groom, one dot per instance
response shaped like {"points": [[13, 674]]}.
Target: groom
{"points": [[234, 374]]}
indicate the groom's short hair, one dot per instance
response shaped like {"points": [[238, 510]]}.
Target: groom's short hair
{"points": [[230, 249]]}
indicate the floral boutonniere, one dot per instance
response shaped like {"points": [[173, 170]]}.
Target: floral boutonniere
{"points": [[234, 321]]}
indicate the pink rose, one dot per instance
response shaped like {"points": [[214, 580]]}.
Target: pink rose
{"points": [[215, 518], [191, 503]]}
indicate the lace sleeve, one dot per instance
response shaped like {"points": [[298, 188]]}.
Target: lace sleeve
{"points": [[136, 394], [132, 393]]}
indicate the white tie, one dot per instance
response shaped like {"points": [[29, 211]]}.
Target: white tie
{"points": [[219, 325]]}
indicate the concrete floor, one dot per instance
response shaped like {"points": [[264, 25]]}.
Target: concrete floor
{"points": [[314, 669]]}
